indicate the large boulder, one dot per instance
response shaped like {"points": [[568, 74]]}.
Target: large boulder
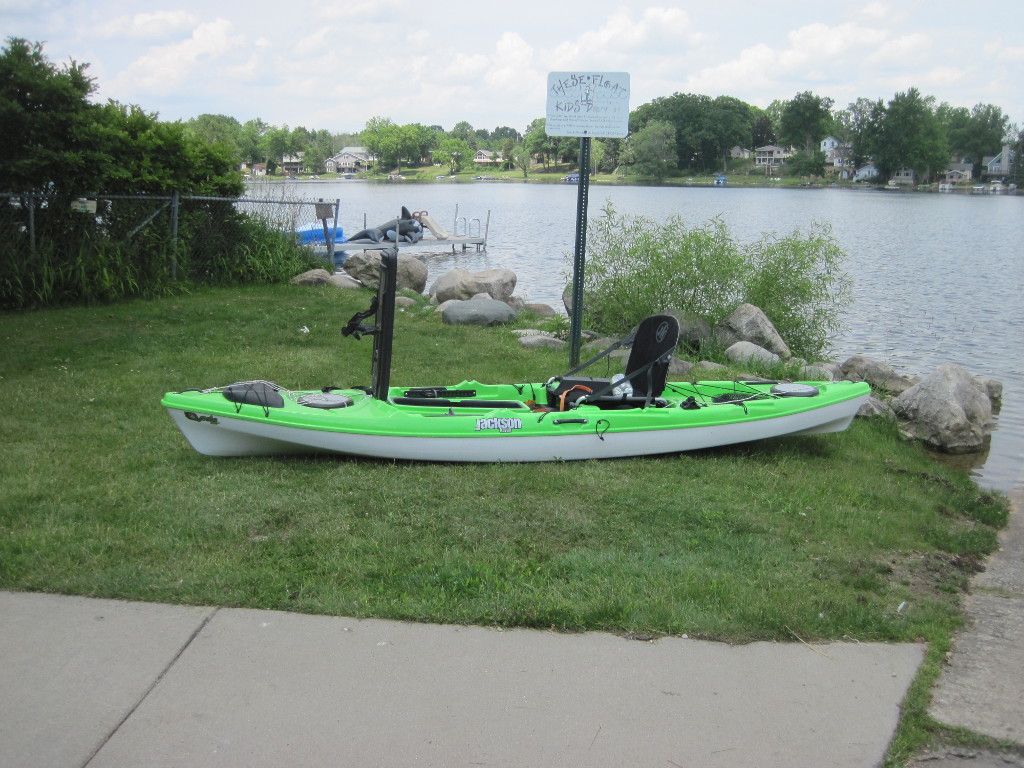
{"points": [[540, 341], [312, 277], [949, 411], [745, 352], [567, 299], [820, 372], [477, 312], [540, 310], [365, 267], [343, 281], [461, 284], [694, 331], [878, 375], [748, 323]]}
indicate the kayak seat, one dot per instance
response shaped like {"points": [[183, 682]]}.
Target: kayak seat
{"points": [[646, 372]]}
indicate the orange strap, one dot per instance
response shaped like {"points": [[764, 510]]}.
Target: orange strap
{"points": [[561, 399]]}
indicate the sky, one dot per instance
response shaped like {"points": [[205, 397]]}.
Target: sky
{"points": [[334, 64]]}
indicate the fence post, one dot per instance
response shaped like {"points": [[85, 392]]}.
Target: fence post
{"points": [[32, 225], [175, 204]]}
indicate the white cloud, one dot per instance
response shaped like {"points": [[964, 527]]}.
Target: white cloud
{"points": [[913, 48], [165, 68], [158, 25], [342, 63], [657, 30]]}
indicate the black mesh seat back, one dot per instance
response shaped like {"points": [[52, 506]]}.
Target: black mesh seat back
{"points": [[656, 338]]}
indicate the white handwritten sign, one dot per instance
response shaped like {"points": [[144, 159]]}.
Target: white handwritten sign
{"points": [[588, 104]]}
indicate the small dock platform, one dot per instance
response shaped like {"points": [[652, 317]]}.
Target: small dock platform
{"points": [[465, 232]]}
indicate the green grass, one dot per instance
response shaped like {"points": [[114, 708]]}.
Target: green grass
{"points": [[820, 537]]}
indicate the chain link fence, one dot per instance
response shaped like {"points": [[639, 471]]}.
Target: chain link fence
{"points": [[59, 249]]}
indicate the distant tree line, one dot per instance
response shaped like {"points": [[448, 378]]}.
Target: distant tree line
{"points": [[681, 133], [668, 136]]}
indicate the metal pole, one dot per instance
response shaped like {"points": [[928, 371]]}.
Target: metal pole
{"points": [[576, 316], [175, 207]]}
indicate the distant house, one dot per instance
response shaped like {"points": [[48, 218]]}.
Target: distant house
{"points": [[486, 157], [959, 172], [866, 173], [1000, 165], [349, 160], [292, 164], [903, 177], [739, 153], [838, 154], [770, 156]]}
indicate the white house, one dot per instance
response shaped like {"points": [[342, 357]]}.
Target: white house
{"points": [[771, 156], [349, 160], [866, 172], [293, 164], [1000, 165], [957, 172], [904, 177], [837, 153], [486, 157]]}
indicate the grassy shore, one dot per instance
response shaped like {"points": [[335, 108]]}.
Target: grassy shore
{"points": [[855, 536]]}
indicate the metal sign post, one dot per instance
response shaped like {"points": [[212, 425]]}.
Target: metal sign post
{"points": [[579, 256], [585, 104]]}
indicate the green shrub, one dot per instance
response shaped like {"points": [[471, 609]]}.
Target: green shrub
{"points": [[799, 282], [637, 267]]}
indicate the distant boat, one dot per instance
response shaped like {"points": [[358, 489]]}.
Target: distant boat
{"points": [[572, 178], [721, 181]]}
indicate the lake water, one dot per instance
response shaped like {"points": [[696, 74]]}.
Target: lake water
{"points": [[937, 277]]}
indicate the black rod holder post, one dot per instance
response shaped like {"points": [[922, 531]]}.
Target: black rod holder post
{"points": [[576, 315], [385, 333]]}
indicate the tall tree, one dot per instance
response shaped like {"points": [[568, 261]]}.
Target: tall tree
{"points": [[48, 125], [762, 132], [250, 141], [731, 124], [374, 137], [463, 130], [774, 112], [537, 141], [503, 132], [806, 120], [1016, 174], [857, 125], [521, 158], [217, 129], [974, 133], [654, 149], [686, 113], [455, 153], [319, 148], [910, 136]]}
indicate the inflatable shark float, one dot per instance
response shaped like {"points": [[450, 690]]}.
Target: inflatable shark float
{"points": [[407, 229]]}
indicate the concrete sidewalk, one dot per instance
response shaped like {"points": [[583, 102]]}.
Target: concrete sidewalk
{"points": [[982, 688], [102, 683]]}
